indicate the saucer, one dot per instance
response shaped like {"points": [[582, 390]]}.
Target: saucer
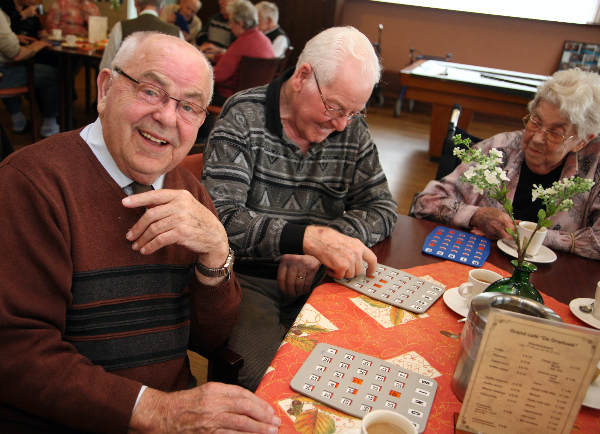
{"points": [[544, 256], [456, 302], [585, 317]]}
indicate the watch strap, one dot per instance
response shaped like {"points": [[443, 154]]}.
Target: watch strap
{"points": [[224, 270]]}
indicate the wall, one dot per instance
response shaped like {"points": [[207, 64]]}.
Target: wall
{"points": [[486, 40]]}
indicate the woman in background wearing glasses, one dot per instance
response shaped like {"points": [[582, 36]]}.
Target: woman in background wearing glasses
{"points": [[559, 141]]}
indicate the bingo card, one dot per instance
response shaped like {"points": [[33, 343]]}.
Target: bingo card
{"points": [[457, 246], [397, 288], [356, 384]]}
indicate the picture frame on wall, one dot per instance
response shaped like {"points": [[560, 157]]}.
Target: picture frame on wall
{"points": [[584, 55]]}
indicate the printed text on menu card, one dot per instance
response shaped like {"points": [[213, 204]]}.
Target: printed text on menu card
{"points": [[530, 375]]}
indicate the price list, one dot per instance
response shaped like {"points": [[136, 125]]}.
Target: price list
{"points": [[530, 375]]}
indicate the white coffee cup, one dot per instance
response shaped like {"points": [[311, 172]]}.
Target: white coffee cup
{"points": [[525, 230], [57, 34], [386, 422], [596, 309], [70, 39], [479, 280]]}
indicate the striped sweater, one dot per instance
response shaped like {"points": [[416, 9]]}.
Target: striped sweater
{"points": [[267, 191], [85, 320]]}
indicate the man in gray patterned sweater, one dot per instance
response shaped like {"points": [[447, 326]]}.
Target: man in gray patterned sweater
{"points": [[296, 179]]}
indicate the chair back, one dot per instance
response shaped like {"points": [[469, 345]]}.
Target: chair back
{"points": [[285, 60], [256, 71], [194, 163], [27, 90]]}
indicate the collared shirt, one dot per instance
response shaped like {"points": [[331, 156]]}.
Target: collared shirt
{"points": [[93, 136]]}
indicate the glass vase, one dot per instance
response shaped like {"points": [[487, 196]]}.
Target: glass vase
{"points": [[518, 283]]}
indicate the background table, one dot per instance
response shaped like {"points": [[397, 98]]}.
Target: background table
{"points": [[475, 88], [69, 59], [340, 316]]}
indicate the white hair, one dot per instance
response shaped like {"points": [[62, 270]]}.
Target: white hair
{"points": [[129, 52], [576, 94], [244, 13], [327, 51], [268, 10]]}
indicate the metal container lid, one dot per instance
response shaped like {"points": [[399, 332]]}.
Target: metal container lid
{"points": [[482, 303]]}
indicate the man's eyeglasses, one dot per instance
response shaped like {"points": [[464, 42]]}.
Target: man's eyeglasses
{"points": [[154, 95], [533, 124], [336, 112]]}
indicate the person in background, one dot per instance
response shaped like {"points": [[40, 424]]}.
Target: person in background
{"points": [[297, 182], [243, 21], [218, 35], [71, 16], [147, 20], [118, 283], [45, 77], [268, 19], [559, 141], [183, 15]]}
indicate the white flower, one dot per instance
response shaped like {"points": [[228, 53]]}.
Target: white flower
{"points": [[469, 173], [491, 177], [477, 190]]}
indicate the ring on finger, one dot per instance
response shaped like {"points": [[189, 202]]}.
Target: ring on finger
{"points": [[299, 277]]}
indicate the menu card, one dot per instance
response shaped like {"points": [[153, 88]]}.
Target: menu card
{"points": [[530, 375], [97, 28]]}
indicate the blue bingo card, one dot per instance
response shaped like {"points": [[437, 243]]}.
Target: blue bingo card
{"points": [[458, 246]]}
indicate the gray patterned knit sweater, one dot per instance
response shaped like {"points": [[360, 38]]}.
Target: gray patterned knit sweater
{"points": [[267, 191]]}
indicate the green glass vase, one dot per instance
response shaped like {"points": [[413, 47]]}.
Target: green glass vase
{"points": [[518, 283]]}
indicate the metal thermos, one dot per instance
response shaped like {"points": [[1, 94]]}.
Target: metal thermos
{"points": [[472, 332]]}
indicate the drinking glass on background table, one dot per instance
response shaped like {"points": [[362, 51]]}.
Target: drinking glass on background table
{"points": [[525, 230], [479, 279], [386, 422], [57, 34], [70, 39]]}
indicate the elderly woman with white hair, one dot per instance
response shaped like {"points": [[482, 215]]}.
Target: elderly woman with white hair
{"points": [[559, 141], [250, 41]]}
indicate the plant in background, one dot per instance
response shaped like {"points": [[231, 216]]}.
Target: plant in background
{"points": [[487, 177]]}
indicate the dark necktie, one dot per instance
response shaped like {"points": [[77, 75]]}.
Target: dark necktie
{"points": [[140, 188]]}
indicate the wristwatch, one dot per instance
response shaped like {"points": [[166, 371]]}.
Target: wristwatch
{"points": [[225, 270]]}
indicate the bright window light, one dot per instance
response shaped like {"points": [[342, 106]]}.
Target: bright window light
{"points": [[573, 11]]}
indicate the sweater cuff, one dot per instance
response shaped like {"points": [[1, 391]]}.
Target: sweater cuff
{"points": [[292, 238]]}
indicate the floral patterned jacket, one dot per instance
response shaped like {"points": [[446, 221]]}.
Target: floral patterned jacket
{"points": [[453, 202]]}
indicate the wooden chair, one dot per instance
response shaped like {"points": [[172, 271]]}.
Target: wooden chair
{"points": [[223, 365], [27, 90], [254, 71], [285, 60]]}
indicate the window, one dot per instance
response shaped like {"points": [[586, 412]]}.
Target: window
{"points": [[573, 11]]}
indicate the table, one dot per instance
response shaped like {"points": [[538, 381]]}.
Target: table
{"points": [[68, 59], [475, 88], [340, 316]]}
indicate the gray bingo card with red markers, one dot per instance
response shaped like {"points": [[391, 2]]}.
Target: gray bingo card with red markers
{"points": [[397, 288], [357, 384]]}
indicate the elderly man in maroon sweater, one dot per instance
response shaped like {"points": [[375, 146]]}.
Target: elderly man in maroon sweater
{"points": [[103, 289]]}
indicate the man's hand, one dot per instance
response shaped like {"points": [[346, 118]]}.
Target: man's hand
{"points": [[212, 407], [344, 256], [491, 223], [176, 217], [296, 273]]}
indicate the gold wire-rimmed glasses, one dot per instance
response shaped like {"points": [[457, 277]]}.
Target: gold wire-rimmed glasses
{"points": [[154, 95], [336, 112], [533, 124]]}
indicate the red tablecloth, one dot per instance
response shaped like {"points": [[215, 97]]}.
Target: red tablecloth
{"points": [[340, 316]]}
